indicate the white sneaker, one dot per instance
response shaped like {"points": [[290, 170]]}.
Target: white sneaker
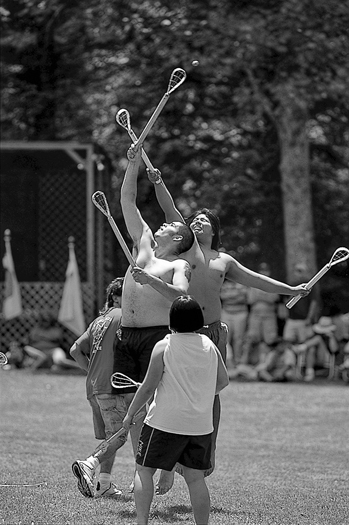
{"points": [[109, 492], [85, 475]]}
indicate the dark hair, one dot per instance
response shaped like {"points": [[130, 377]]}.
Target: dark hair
{"points": [[215, 223], [186, 314], [188, 238], [114, 288]]}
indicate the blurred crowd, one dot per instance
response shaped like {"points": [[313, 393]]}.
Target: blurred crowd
{"points": [[269, 342], [266, 340]]}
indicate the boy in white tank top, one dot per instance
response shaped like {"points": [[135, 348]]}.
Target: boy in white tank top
{"points": [[185, 373]]}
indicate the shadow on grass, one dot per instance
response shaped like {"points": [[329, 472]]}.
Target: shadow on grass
{"points": [[172, 513]]}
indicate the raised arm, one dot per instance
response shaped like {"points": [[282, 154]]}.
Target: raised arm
{"points": [[164, 197], [135, 224]]}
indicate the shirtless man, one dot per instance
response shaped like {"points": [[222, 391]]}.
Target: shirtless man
{"points": [[148, 292], [209, 269]]}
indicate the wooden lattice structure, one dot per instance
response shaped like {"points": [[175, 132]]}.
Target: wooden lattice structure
{"points": [[46, 190], [38, 298]]}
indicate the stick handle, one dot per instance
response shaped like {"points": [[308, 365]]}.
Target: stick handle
{"points": [[309, 285], [293, 301], [103, 447], [122, 242], [144, 155], [153, 118]]}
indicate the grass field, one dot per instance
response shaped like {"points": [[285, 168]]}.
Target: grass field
{"points": [[282, 459]]}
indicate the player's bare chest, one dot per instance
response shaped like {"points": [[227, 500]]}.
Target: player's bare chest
{"points": [[159, 267], [208, 269]]}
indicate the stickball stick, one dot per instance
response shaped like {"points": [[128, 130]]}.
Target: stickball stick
{"points": [[177, 78], [100, 201], [123, 119], [340, 255]]}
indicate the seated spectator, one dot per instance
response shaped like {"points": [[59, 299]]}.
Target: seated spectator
{"points": [[318, 347], [44, 345], [344, 367], [279, 364], [249, 370], [342, 336], [15, 356]]}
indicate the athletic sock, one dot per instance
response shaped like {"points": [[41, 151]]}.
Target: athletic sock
{"points": [[104, 480]]}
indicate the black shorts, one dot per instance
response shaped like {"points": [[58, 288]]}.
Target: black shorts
{"points": [[162, 450], [132, 351]]}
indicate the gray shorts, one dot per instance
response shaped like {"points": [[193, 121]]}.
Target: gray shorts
{"points": [[297, 331], [108, 412]]}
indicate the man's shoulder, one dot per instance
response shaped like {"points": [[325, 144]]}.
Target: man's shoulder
{"points": [[180, 262], [175, 261], [219, 259], [114, 314]]}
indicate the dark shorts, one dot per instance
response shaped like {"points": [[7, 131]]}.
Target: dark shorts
{"points": [[132, 351], [217, 332], [162, 450]]}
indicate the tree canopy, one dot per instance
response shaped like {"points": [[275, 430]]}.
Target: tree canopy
{"points": [[258, 131]]}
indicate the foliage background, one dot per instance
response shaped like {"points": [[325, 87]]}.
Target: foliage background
{"points": [[69, 65]]}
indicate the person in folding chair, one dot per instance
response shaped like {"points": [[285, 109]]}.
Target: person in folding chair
{"points": [[320, 349]]}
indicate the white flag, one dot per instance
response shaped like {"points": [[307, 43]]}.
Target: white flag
{"points": [[71, 312], [12, 303]]}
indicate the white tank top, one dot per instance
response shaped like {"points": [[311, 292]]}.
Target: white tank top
{"points": [[183, 401]]}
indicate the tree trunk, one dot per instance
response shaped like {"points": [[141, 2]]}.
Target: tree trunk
{"points": [[296, 188]]}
